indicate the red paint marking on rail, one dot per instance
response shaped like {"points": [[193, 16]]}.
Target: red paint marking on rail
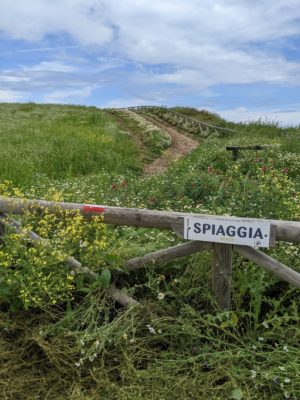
{"points": [[93, 208]]}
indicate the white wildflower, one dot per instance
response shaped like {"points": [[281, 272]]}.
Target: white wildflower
{"points": [[151, 329], [265, 324], [287, 380], [285, 348], [132, 340], [253, 373], [160, 296], [125, 336]]}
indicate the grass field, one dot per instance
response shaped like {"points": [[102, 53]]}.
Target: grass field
{"points": [[62, 337], [61, 142]]}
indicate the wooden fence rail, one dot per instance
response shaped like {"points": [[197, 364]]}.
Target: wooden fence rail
{"points": [[288, 231], [180, 117]]}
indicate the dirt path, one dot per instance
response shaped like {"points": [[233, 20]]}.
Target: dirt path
{"points": [[181, 145]]}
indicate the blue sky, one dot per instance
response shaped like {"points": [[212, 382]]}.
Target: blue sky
{"points": [[239, 58]]}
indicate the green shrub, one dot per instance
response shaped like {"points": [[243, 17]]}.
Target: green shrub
{"points": [[291, 144], [156, 138]]}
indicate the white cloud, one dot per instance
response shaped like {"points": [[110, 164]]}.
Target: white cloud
{"points": [[218, 66], [13, 78], [128, 102], [33, 19], [145, 26], [51, 66], [207, 42], [242, 114], [9, 96], [67, 96], [38, 50]]}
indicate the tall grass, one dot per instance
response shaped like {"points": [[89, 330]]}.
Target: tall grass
{"points": [[61, 142]]}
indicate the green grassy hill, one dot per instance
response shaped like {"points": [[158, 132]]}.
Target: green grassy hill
{"points": [[61, 142], [62, 337]]}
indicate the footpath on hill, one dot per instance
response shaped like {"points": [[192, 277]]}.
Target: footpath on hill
{"points": [[181, 145]]}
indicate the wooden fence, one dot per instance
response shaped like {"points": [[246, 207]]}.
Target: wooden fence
{"points": [[181, 119], [288, 231]]}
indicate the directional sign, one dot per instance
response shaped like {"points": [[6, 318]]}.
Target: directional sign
{"points": [[254, 233]]}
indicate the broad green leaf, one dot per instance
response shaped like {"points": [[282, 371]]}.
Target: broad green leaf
{"points": [[237, 394], [234, 319], [105, 278]]}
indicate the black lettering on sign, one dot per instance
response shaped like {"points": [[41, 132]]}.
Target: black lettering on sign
{"points": [[206, 227], [197, 227], [220, 231], [230, 231], [242, 232], [258, 233]]}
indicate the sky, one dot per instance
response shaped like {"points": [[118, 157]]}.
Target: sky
{"points": [[237, 58]]}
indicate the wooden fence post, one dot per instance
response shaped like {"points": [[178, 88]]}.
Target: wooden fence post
{"points": [[221, 274], [2, 227]]}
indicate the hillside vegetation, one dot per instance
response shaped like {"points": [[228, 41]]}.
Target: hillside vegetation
{"points": [[201, 115], [62, 336], [53, 141]]}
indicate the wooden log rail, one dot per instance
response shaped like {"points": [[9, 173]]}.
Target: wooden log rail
{"points": [[193, 121], [288, 231], [222, 253]]}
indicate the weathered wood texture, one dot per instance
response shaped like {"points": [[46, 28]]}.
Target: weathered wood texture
{"points": [[160, 256], [269, 264], [122, 298], [221, 274], [2, 229], [285, 230]]}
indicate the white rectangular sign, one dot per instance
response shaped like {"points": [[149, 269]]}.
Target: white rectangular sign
{"points": [[230, 231]]}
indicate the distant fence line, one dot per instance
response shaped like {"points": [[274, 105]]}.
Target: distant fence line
{"points": [[179, 117], [288, 231]]}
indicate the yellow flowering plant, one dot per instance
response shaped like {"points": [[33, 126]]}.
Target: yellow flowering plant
{"points": [[35, 274]]}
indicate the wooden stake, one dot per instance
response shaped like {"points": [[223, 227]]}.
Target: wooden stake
{"points": [[221, 274], [2, 229], [160, 256], [269, 264]]}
